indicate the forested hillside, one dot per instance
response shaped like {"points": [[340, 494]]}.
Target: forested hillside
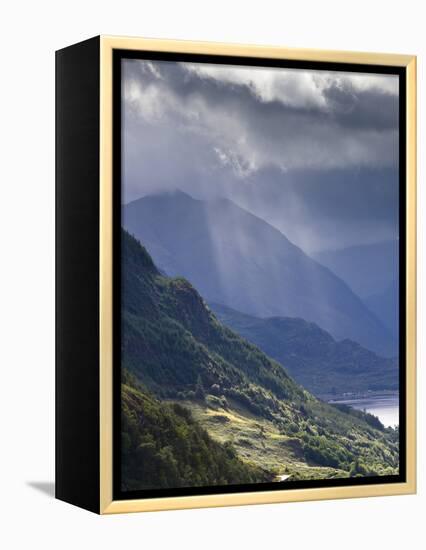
{"points": [[164, 447], [312, 356], [175, 346]]}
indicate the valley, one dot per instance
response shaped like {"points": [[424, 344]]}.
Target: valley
{"points": [[178, 354], [317, 361]]}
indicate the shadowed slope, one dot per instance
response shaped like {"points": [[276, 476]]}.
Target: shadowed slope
{"points": [[312, 356]]}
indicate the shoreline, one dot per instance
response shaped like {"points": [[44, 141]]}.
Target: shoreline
{"points": [[383, 405], [352, 396]]}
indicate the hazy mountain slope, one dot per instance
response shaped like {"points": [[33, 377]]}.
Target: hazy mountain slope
{"points": [[311, 355], [367, 269], [237, 259], [385, 305], [175, 346]]}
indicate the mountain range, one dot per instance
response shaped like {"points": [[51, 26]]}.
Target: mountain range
{"points": [[368, 269], [372, 271], [312, 356], [235, 258], [385, 305], [189, 381]]}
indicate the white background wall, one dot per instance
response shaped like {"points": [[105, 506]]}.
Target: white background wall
{"points": [[29, 33]]}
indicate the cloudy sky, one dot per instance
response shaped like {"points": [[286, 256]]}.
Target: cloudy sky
{"points": [[314, 153]]}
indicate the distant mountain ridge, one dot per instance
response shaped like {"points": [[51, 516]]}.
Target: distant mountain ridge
{"points": [[368, 269], [385, 305], [312, 356], [235, 258]]}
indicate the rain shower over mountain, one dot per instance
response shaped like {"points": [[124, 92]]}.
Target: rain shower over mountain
{"points": [[237, 259]]}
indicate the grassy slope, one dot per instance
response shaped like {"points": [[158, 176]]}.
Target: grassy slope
{"points": [[164, 447], [176, 346]]}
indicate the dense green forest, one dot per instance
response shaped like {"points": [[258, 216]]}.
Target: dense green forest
{"points": [[313, 357], [174, 345], [164, 447]]}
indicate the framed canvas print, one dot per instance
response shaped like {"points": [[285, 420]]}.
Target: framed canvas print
{"points": [[235, 274]]}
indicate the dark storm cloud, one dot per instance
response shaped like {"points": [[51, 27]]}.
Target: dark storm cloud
{"points": [[325, 209], [304, 146], [368, 109]]}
